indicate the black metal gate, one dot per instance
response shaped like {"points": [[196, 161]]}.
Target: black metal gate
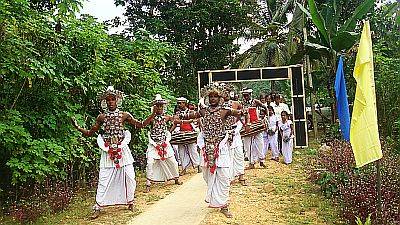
{"points": [[294, 73]]}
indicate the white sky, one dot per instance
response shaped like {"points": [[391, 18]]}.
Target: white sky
{"points": [[103, 10]]}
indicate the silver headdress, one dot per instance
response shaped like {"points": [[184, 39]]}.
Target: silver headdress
{"points": [[159, 100], [211, 88], [119, 96]]}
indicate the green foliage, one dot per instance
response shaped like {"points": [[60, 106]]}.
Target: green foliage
{"points": [[386, 40], [204, 29], [277, 46], [367, 221], [50, 73], [328, 185], [335, 23]]}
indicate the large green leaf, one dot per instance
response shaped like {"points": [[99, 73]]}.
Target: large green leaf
{"points": [[344, 40], [360, 11], [331, 17], [315, 50], [304, 9], [318, 21]]}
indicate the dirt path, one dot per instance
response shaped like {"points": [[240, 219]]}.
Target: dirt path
{"points": [[278, 195], [184, 206]]}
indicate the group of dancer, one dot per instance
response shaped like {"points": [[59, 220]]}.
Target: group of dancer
{"points": [[219, 151]]}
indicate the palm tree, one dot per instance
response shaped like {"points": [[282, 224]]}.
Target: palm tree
{"points": [[279, 39]]}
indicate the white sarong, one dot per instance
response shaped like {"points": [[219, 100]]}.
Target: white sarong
{"points": [[237, 154], [189, 155], [218, 183], [253, 146], [160, 170], [116, 186]]}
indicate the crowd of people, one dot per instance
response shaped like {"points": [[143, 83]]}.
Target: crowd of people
{"points": [[219, 135]]}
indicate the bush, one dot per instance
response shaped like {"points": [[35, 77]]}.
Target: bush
{"points": [[34, 200], [48, 75], [355, 189]]}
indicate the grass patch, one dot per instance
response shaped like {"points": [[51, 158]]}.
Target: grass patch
{"points": [[279, 195], [81, 207]]}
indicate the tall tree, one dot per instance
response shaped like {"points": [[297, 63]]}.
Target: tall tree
{"points": [[205, 29], [276, 47]]}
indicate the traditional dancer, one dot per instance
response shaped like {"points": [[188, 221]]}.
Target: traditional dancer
{"points": [[253, 144], [117, 176], [213, 142], [233, 126], [286, 129], [161, 163], [188, 153]]}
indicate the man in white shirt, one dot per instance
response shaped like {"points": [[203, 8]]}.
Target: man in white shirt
{"points": [[280, 106]]}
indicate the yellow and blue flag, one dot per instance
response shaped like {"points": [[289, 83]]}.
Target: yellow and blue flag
{"points": [[342, 102], [364, 135]]}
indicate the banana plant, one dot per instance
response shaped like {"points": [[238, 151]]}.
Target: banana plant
{"points": [[330, 36]]}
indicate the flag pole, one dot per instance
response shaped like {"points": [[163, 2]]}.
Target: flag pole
{"points": [[379, 191]]}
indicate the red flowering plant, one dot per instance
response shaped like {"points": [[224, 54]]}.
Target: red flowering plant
{"points": [[355, 188], [162, 150]]}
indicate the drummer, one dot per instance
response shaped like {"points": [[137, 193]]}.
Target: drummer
{"points": [[233, 125], [253, 144], [188, 153]]}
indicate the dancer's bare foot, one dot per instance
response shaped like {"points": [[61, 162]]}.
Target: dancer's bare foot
{"points": [[95, 214], [275, 159], [183, 172], [147, 188], [251, 166], [243, 182], [226, 212], [178, 182]]}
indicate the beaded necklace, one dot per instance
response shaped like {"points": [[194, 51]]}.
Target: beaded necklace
{"points": [[158, 131], [113, 135]]}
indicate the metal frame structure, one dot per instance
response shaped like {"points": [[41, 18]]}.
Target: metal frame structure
{"points": [[294, 73]]}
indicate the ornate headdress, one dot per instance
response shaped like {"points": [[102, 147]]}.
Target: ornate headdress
{"points": [[227, 88], [159, 100], [246, 91], [182, 99], [119, 96], [211, 88]]}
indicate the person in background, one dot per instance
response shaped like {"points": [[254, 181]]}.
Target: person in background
{"points": [[161, 163], [279, 108], [253, 144], [286, 129], [187, 152], [271, 135]]}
